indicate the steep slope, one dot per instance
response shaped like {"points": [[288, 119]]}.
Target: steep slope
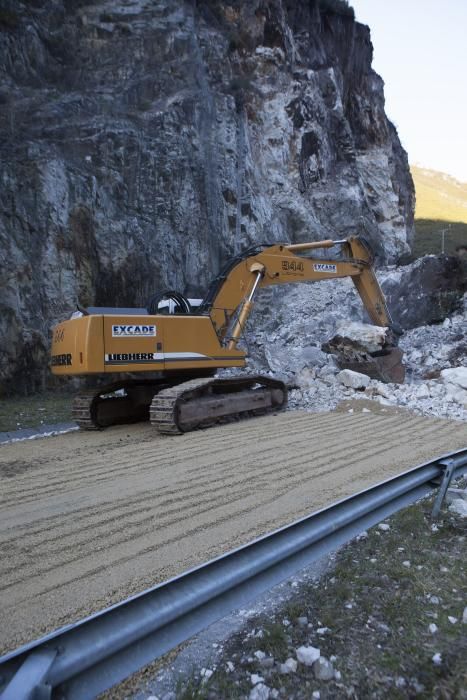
{"points": [[143, 143], [439, 196]]}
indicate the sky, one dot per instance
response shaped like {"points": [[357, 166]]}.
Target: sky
{"points": [[420, 51]]}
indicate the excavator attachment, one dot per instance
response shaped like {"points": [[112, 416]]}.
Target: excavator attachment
{"points": [[385, 365], [386, 368]]}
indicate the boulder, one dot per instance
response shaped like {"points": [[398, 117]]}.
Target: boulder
{"points": [[353, 380], [427, 291], [369, 338], [456, 376]]}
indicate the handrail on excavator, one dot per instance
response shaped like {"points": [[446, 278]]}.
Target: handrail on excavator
{"points": [[328, 243]]}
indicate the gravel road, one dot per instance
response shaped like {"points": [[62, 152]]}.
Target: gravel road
{"points": [[88, 519]]}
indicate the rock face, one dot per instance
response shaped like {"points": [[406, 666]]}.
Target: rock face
{"points": [[427, 291], [143, 143]]}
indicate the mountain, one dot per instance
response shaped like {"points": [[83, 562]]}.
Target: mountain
{"points": [[439, 196]]}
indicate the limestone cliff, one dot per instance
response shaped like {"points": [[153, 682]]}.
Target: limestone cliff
{"points": [[143, 143]]}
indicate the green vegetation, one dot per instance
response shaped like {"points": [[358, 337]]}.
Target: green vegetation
{"points": [[393, 605], [34, 411], [441, 204], [428, 237]]}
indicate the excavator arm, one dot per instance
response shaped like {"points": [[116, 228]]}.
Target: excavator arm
{"points": [[285, 264]]}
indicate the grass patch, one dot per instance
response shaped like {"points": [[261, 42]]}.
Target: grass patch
{"points": [[378, 601], [34, 411], [428, 238]]}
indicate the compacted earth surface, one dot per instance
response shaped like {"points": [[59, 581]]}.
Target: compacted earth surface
{"points": [[88, 519]]}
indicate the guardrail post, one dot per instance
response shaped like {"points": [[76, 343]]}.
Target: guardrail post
{"points": [[449, 466], [27, 683]]}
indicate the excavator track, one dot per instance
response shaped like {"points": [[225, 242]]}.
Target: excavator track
{"points": [[121, 402], [201, 402]]}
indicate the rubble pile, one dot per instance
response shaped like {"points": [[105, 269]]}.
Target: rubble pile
{"points": [[295, 325]]}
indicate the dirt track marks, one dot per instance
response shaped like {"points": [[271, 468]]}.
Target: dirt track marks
{"points": [[102, 515]]}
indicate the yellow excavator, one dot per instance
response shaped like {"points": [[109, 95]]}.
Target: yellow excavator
{"points": [[163, 363]]}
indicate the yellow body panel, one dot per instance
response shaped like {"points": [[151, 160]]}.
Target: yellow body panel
{"points": [[78, 346], [123, 343]]}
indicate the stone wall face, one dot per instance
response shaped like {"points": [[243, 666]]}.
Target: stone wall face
{"points": [[143, 143]]}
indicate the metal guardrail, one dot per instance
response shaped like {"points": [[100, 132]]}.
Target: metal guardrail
{"points": [[83, 659]]}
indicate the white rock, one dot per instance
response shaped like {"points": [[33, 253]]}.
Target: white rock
{"points": [[322, 630], [406, 564], [456, 394], [464, 617], [452, 620], [206, 673], [371, 337], [307, 655], [459, 507], [422, 392], [383, 390], [337, 675], [436, 658], [433, 628], [316, 695], [260, 655], [290, 666], [454, 494], [260, 692], [384, 526], [323, 669], [354, 380], [455, 375], [230, 667], [434, 600], [255, 679]]}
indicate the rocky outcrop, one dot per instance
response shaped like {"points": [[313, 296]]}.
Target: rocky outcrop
{"points": [[143, 143], [427, 291]]}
